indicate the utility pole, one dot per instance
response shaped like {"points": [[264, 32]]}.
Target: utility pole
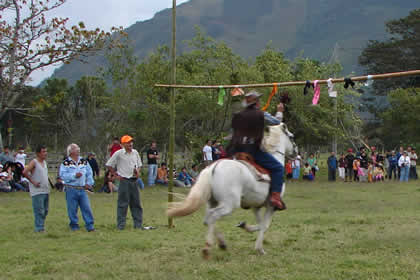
{"points": [[172, 112], [334, 59]]}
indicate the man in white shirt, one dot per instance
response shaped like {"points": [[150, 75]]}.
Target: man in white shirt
{"points": [[125, 164], [207, 153], [21, 156], [404, 164]]}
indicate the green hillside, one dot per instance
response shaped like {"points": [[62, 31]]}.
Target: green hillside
{"points": [[313, 27]]}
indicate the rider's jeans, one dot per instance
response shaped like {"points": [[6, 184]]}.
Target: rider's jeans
{"points": [[269, 162]]}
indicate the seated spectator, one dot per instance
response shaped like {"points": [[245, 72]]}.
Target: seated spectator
{"points": [[289, 170], [184, 179], [307, 173], [4, 183], [162, 174], [379, 173], [13, 177], [109, 186], [194, 171]]}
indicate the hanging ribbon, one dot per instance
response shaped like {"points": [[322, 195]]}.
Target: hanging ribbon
{"points": [[273, 92], [237, 91], [331, 91], [222, 94], [369, 81], [348, 82], [317, 92], [307, 86]]}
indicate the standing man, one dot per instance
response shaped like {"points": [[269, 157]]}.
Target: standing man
{"points": [[349, 165], [20, 156], [77, 177], [207, 153], [393, 165], [399, 154], [413, 162], [152, 157], [37, 174], [332, 167], [125, 164], [404, 164], [93, 164]]}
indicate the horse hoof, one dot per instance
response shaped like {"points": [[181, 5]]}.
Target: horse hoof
{"points": [[205, 253], [222, 246], [261, 252], [241, 225]]}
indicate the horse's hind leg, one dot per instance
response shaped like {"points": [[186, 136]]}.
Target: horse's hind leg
{"points": [[252, 228], [209, 241], [265, 223], [212, 215]]}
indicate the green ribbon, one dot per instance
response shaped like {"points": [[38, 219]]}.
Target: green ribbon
{"points": [[222, 94]]}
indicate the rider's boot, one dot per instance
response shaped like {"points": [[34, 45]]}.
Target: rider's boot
{"points": [[277, 202]]}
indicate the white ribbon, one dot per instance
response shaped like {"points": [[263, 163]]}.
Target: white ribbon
{"points": [[369, 81], [331, 91]]}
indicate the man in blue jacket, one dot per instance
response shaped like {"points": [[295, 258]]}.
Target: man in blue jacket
{"points": [[332, 167]]}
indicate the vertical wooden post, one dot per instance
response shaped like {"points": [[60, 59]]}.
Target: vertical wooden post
{"points": [[172, 112]]}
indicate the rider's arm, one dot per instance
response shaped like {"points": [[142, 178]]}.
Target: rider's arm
{"points": [[270, 119]]}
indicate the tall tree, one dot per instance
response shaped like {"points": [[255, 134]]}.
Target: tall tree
{"points": [[401, 52], [30, 41]]}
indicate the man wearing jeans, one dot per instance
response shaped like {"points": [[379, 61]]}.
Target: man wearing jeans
{"points": [[77, 177], [37, 174], [125, 164], [152, 157]]}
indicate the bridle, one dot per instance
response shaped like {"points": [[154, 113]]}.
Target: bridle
{"points": [[291, 138]]}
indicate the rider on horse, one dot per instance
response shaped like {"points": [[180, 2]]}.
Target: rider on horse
{"points": [[248, 132]]}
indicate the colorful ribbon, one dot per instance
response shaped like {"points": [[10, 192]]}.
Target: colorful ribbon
{"points": [[273, 92], [317, 92], [222, 94]]}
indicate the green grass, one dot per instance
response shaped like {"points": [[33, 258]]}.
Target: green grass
{"points": [[330, 231]]}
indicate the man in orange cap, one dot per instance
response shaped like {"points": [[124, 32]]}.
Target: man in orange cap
{"points": [[126, 164]]}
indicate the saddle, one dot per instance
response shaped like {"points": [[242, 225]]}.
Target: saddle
{"points": [[260, 173]]}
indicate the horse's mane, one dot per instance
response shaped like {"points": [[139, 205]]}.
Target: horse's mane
{"points": [[271, 140]]}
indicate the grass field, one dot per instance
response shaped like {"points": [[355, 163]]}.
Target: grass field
{"points": [[330, 231]]}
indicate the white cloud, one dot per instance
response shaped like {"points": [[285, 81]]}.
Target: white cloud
{"points": [[104, 14]]}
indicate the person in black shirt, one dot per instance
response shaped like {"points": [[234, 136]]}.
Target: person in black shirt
{"points": [[152, 157], [349, 165], [93, 164]]}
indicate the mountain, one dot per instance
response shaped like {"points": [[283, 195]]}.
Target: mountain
{"points": [[320, 29]]}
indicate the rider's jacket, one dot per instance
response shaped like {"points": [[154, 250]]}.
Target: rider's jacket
{"points": [[248, 129]]}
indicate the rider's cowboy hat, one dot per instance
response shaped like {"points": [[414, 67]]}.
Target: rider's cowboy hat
{"points": [[251, 98]]}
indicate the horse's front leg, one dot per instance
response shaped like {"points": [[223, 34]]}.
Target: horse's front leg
{"points": [[264, 225], [252, 228]]}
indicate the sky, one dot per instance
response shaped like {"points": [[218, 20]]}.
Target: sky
{"points": [[104, 14]]}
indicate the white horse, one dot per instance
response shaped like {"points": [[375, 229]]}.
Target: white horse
{"points": [[229, 184]]}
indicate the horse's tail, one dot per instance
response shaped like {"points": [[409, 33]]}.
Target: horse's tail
{"points": [[199, 194]]}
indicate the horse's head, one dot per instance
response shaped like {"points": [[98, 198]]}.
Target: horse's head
{"points": [[280, 141]]}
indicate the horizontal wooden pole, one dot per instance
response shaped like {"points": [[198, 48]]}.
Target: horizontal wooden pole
{"points": [[298, 83]]}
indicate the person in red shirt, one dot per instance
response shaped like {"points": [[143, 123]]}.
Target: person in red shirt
{"points": [[114, 147], [289, 170]]}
